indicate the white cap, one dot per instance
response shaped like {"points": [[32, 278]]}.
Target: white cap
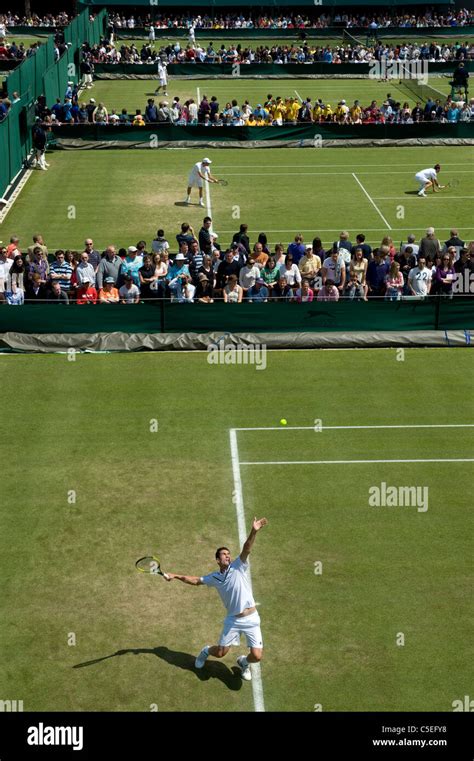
{"points": [[131, 249], [206, 161]]}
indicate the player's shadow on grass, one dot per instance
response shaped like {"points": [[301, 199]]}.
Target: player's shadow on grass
{"points": [[185, 203], [411, 192], [213, 669]]}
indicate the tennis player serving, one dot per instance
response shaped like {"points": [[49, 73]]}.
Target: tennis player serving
{"points": [[232, 583], [199, 174]]}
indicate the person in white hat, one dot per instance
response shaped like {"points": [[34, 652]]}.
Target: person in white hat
{"points": [[200, 173]]}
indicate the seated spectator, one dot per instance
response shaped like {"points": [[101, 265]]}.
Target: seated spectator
{"points": [[355, 290], [138, 120], [233, 292], [270, 274], [258, 292], [147, 275], [394, 283], [329, 292], [334, 269], [56, 295], [86, 292], [185, 290], [36, 291], [282, 291], [129, 293], [109, 293], [204, 290], [305, 293], [377, 271], [248, 275]]}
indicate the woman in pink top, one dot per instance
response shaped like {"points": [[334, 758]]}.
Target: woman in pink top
{"points": [[394, 283]]}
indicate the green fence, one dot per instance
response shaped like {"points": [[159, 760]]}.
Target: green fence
{"points": [[163, 317], [39, 74], [150, 136]]}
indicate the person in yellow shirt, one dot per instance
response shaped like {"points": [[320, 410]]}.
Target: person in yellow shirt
{"points": [[138, 120], [294, 110], [328, 114], [355, 112], [252, 121], [278, 111], [317, 112]]}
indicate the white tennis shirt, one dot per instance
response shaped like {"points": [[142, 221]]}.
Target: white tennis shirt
{"points": [[233, 587]]}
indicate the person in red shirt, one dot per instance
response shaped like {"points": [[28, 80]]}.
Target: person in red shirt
{"points": [[87, 294]]}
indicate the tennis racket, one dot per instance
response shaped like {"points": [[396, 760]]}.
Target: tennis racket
{"points": [[149, 564], [224, 183], [453, 183]]}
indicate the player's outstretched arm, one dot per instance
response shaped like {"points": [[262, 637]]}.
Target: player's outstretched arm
{"points": [[195, 581], [256, 526]]}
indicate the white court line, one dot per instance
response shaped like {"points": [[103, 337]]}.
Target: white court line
{"points": [[257, 686], [370, 199], [298, 96], [415, 196], [347, 462], [319, 174], [324, 166], [356, 427], [199, 95], [208, 202]]}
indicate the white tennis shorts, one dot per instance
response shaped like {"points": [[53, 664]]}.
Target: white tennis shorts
{"points": [[247, 625], [194, 181], [421, 179]]}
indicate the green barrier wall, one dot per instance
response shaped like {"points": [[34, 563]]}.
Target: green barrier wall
{"points": [[322, 4], [140, 136], [15, 142], [163, 317]]}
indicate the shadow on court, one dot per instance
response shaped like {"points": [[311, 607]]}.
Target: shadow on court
{"points": [[411, 192], [213, 669]]}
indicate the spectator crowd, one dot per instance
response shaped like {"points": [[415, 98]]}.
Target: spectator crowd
{"points": [[199, 270]]}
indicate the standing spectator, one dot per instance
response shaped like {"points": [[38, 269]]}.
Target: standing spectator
{"points": [[225, 269], [365, 248], [454, 240], [248, 275], [414, 246], [16, 277], [38, 242], [110, 266], [419, 278], [86, 69], [394, 283], [84, 271], [445, 276], [92, 253], [377, 271], [13, 248], [178, 273], [100, 115], [406, 260], [151, 111], [205, 240], [39, 144], [358, 268], [242, 238], [297, 249], [429, 245], [259, 255], [147, 277], [40, 265], [334, 269], [186, 235], [132, 264], [61, 271], [160, 244], [129, 293]]}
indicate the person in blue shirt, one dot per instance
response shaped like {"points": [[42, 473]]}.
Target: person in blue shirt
{"points": [[57, 110], [453, 114], [67, 111], [377, 270], [151, 111], [132, 264], [177, 274], [258, 293]]}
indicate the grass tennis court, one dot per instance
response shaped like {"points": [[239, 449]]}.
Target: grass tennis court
{"points": [[68, 569], [123, 196]]}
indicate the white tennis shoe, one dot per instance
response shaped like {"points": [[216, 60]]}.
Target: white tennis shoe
{"points": [[246, 674], [202, 657]]}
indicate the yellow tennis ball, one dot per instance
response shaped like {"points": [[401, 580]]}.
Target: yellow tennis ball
{"points": [[283, 421]]}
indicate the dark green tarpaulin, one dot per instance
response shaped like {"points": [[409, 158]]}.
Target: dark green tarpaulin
{"points": [[162, 317], [149, 137]]}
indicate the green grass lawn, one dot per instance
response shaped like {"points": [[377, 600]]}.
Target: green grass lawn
{"points": [[122, 196], [133, 94], [81, 630]]}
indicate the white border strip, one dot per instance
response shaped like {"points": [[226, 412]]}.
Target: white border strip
{"points": [[348, 462], [257, 686], [355, 427]]}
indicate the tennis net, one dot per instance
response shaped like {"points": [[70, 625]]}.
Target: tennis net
{"points": [[410, 84]]}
